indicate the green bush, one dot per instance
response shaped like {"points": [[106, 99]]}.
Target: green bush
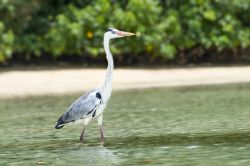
{"points": [[6, 42], [164, 28]]}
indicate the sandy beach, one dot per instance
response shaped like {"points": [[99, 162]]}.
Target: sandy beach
{"points": [[64, 81]]}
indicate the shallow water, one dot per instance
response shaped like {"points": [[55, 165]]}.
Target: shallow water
{"points": [[173, 126]]}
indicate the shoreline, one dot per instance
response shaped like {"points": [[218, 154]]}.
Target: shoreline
{"points": [[15, 83]]}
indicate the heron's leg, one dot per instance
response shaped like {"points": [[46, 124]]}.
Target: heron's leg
{"points": [[101, 133], [99, 120], [86, 121], [82, 133]]}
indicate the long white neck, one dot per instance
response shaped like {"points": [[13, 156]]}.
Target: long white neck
{"points": [[107, 85]]}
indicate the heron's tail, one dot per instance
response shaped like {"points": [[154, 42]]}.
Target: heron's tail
{"points": [[60, 123]]}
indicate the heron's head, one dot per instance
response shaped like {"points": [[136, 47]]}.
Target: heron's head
{"points": [[114, 33]]}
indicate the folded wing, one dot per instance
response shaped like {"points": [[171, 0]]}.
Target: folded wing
{"points": [[82, 107]]}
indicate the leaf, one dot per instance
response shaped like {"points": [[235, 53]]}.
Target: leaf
{"points": [[168, 50], [210, 15]]}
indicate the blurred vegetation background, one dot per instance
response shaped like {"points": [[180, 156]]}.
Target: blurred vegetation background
{"points": [[178, 31]]}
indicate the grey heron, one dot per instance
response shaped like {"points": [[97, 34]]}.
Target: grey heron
{"points": [[92, 104]]}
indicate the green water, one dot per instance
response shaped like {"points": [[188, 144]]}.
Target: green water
{"points": [[206, 125]]}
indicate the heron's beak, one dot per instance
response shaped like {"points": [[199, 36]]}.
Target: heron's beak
{"points": [[123, 34]]}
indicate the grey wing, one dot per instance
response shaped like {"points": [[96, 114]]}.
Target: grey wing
{"points": [[82, 107]]}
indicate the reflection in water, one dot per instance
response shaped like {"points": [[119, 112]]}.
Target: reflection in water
{"points": [[97, 155]]}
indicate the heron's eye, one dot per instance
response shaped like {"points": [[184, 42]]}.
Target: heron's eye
{"points": [[111, 30]]}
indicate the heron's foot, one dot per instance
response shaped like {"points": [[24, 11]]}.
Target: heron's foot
{"points": [[81, 140], [102, 141]]}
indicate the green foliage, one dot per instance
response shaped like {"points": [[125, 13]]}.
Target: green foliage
{"points": [[6, 42], [164, 28]]}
